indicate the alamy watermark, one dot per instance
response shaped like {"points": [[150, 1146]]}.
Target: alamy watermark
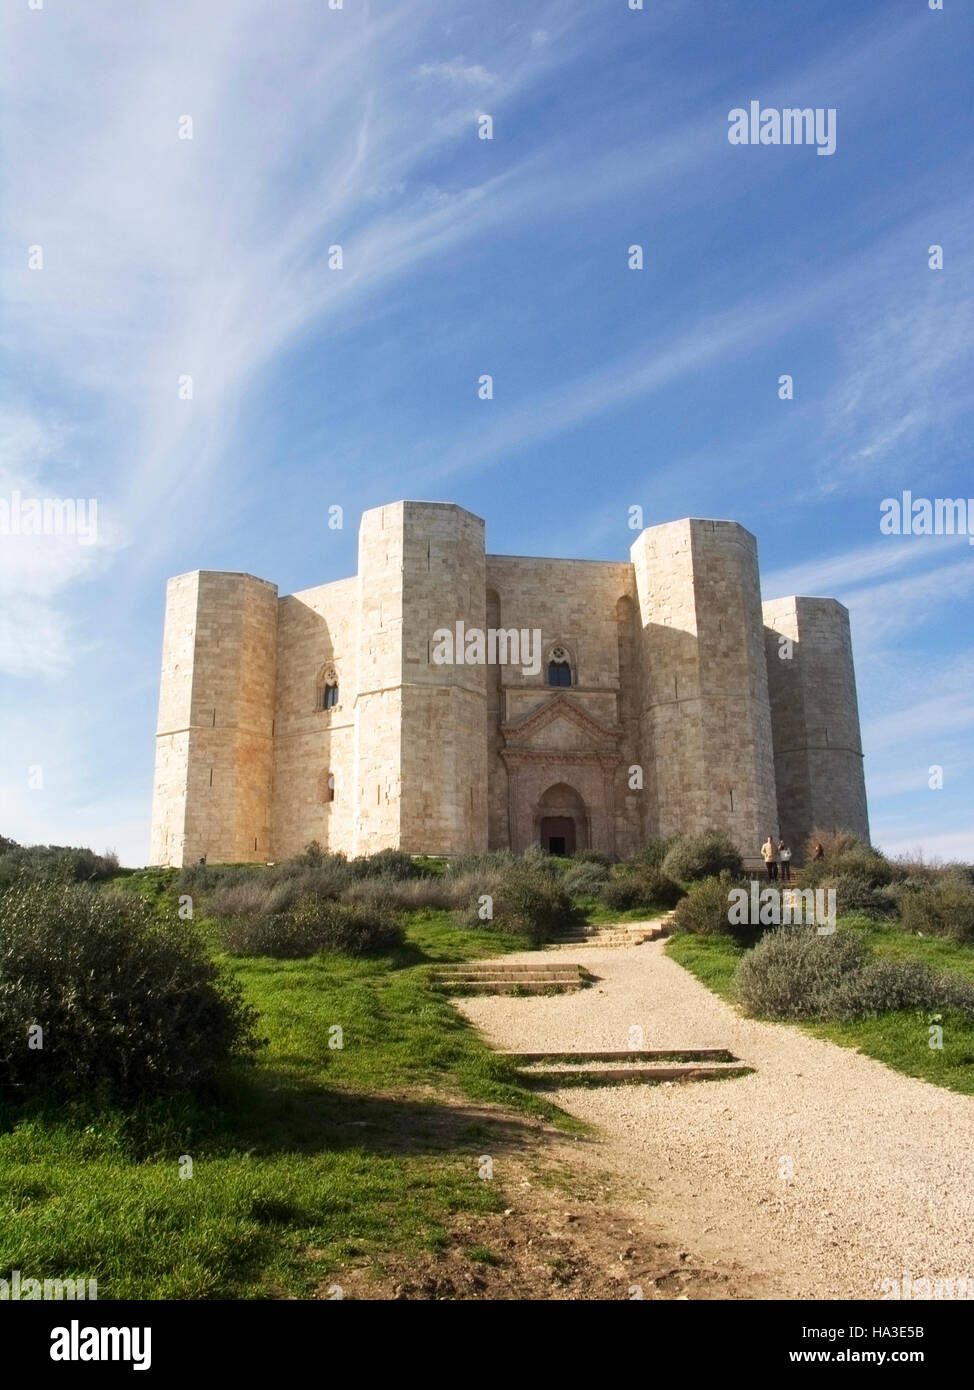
{"points": [[907, 1287], [49, 516], [498, 646], [919, 516], [791, 125], [17, 1289], [782, 907]]}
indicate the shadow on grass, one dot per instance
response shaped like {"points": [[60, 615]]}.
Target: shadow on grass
{"points": [[273, 1115]]}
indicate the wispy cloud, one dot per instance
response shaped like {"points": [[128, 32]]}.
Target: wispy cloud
{"points": [[851, 569], [460, 73]]}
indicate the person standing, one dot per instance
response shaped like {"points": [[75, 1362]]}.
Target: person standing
{"points": [[770, 856], [784, 858]]}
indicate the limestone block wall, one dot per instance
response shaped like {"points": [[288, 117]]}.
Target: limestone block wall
{"points": [[377, 733], [443, 779], [214, 755], [173, 723], [815, 718], [317, 630], [705, 722]]}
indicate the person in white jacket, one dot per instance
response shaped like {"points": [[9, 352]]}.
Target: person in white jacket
{"points": [[784, 857]]}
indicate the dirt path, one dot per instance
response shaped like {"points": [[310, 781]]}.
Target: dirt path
{"points": [[881, 1163]]}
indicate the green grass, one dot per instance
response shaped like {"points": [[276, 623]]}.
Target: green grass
{"points": [[898, 1039], [595, 912], [315, 1155], [482, 1254]]}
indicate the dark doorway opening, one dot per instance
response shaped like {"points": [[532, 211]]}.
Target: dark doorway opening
{"points": [[558, 835]]}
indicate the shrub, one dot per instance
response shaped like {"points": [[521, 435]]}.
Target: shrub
{"points": [[653, 853], [640, 887], [467, 889], [884, 985], [704, 908], [845, 855], [592, 856], [854, 893], [387, 863], [943, 909], [130, 1005], [585, 879], [534, 857], [533, 904], [206, 878], [527, 901], [706, 855], [396, 894], [252, 896], [314, 925], [792, 972], [492, 861], [53, 864]]}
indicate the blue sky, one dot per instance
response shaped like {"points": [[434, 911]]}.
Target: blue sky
{"points": [[462, 256]]}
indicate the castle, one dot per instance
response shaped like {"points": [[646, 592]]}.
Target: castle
{"points": [[577, 703]]}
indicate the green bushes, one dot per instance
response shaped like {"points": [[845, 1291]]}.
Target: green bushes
{"points": [[941, 909], [845, 856], [792, 971], [53, 864], [855, 893], [653, 853], [704, 908], [886, 985], [387, 863], [491, 861], [313, 925], [795, 973], [585, 879], [532, 903], [592, 856], [524, 900], [129, 1006], [706, 855], [401, 895], [640, 887]]}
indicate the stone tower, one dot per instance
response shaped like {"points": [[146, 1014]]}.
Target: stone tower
{"points": [[214, 740], [705, 711], [420, 728], [815, 717]]}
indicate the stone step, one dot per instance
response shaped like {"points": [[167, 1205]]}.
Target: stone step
{"points": [[614, 933], [608, 939], [500, 977], [521, 986], [555, 1076], [450, 980], [641, 1054], [515, 969]]}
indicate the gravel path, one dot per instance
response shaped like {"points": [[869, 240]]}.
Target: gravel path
{"points": [[882, 1164]]}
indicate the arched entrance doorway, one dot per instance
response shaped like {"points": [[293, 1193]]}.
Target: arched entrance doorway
{"points": [[561, 821]]}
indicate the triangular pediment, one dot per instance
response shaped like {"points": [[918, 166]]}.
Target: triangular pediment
{"points": [[557, 722]]}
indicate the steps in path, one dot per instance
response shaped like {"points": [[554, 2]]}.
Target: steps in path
{"points": [[647, 1066], [615, 933], [516, 977]]}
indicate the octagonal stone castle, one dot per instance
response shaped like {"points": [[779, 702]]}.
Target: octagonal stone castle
{"points": [[658, 696]]}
